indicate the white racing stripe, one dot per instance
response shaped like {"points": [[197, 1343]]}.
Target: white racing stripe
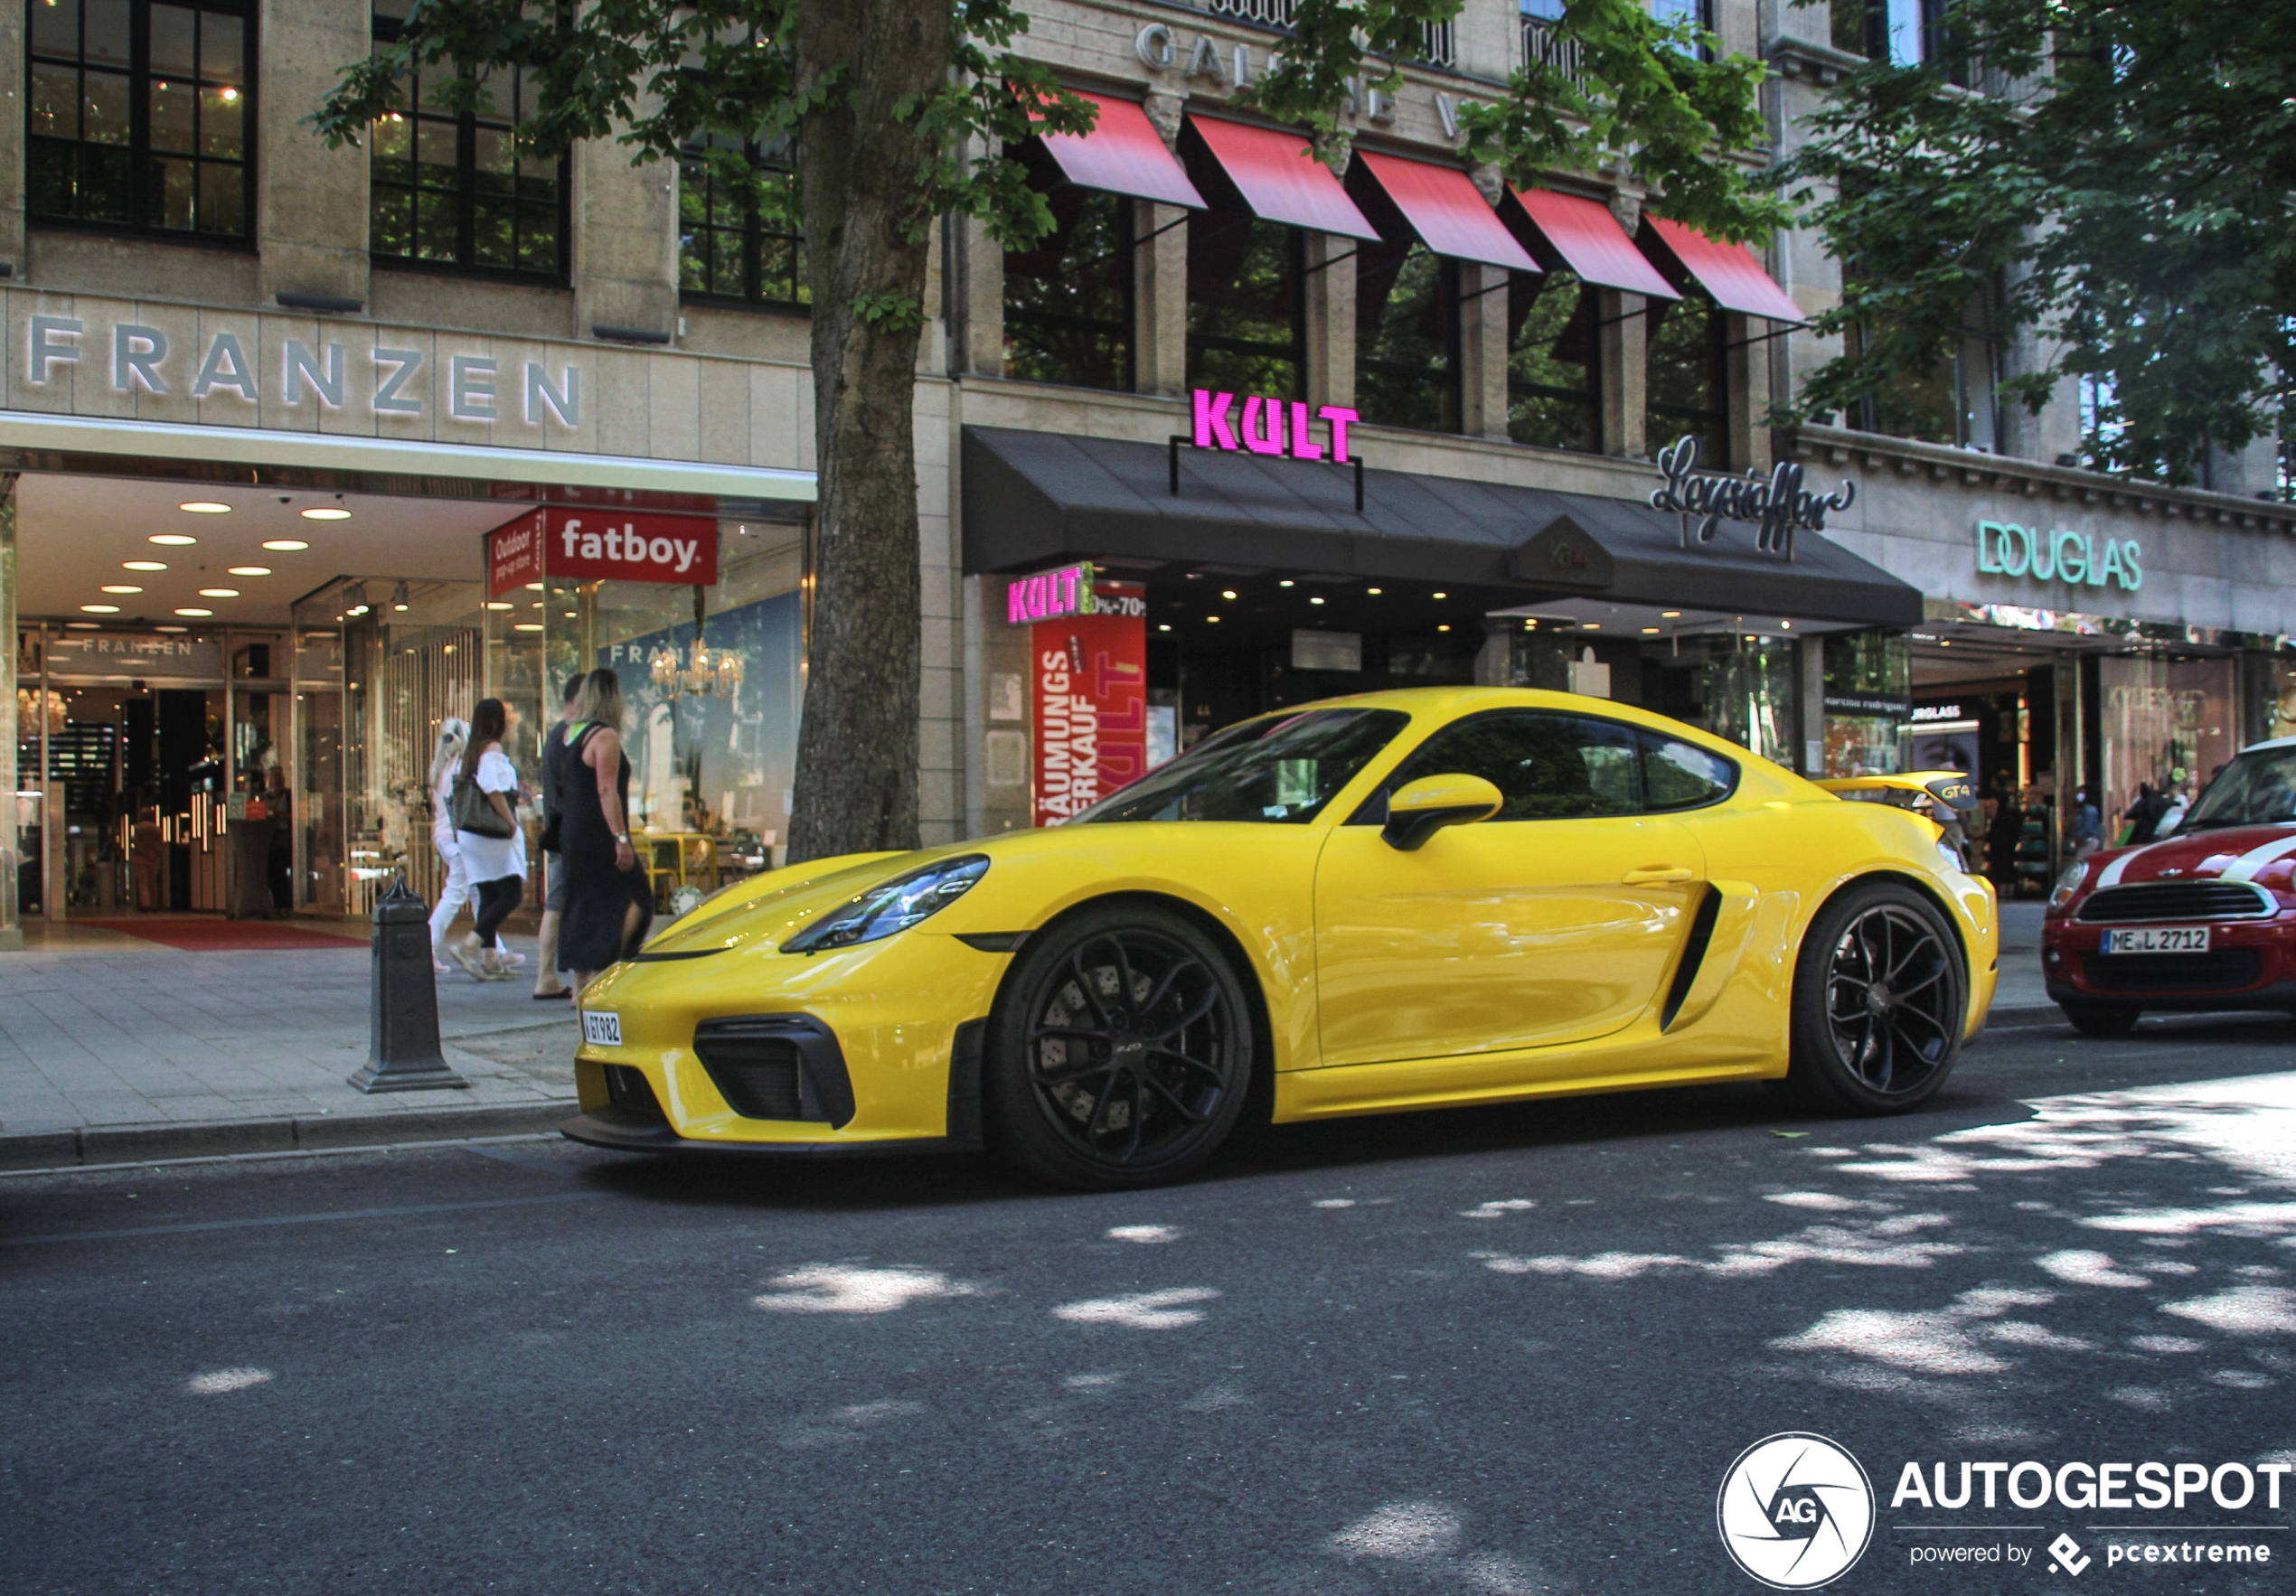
{"points": [[2119, 867], [2247, 865]]}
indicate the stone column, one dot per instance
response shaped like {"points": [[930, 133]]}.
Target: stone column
{"points": [[1160, 297], [1483, 349], [1622, 334], [1328, 290], [1745, 370], [1812, 752], [311, 201], [979, 300], [11, 841]]}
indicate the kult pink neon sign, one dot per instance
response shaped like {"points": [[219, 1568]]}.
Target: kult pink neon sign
{"points": [[1261, 430], [1048, 595]]}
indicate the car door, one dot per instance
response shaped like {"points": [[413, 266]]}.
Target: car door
{"points": [[1556, 920]]}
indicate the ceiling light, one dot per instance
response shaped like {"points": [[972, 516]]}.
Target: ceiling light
{"points": [[198, 612], [120, 588], [250, 570], [533, 587], [1164, 626], [1212, 618], [1315, 601], [173, 540], [219, 593], [1650, 630], [203, 507], [1590, 625], [1670, 615], [171, 628], [326, 512], [285, 545], [399, 596], [528, 627], [101, 609], [1287, 582], [1785, 625], [498, 603], [1374, 592], [141, 565], [567, 613], [1443, 628], [90, 626], [1441, 596]]}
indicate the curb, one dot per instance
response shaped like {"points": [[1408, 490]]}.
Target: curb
{"points": [[2018, 1019], [129, 1144]]}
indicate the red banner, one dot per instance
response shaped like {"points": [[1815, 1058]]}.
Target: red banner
{"points": [[1091, 701], [620, 545]]}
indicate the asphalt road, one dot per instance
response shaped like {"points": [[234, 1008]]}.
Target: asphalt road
{"points": [[1491, 1352]]}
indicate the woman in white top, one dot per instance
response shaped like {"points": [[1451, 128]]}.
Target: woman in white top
{"points": [[446, 764], [496, 866]]}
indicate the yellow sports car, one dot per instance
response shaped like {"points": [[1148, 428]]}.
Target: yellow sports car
{"points": [[1401, 900]]}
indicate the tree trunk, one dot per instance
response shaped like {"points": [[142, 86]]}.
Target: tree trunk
{"points": [[866, 236]]}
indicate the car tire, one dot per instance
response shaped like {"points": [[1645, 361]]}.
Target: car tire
{"points": [[2102, 1019], [1120, 1051], [1880, 1001]]}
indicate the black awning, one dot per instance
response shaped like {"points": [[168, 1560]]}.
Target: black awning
{"points": [[1034, 499]]}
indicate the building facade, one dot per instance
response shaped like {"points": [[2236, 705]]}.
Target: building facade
{"points": [[1298, 431]]}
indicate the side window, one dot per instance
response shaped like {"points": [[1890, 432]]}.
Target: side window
{"points": [[1545, 766], [1679, 775]]}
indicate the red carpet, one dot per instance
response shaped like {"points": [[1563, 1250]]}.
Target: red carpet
{"points": [[203, 935]]}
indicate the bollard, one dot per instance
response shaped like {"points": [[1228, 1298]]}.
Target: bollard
{"points": [[403, 1005]]}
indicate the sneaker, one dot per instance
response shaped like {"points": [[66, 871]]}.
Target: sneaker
{"points": [[510, 961], [468, 960]]}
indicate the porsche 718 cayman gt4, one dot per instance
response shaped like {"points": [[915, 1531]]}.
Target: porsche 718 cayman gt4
{"points": [[1401, 900]]}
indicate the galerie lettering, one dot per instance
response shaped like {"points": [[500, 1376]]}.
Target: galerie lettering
{"points": [[2150, 1487], [2052, 557]]}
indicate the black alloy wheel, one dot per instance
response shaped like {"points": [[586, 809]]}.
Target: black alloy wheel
{"points": [[1121, 1051], [1879, 1002]]}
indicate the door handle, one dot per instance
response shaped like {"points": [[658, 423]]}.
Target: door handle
{"points": [[1651, 874]]}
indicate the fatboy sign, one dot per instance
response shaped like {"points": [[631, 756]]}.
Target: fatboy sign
{"points": [[142, 360], [617, 545], [1260, 428]]}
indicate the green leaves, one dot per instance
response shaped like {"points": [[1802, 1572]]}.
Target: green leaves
{"points": [[2121, 184]]}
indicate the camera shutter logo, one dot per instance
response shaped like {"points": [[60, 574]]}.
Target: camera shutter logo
{"points": [[1796, 1511]]}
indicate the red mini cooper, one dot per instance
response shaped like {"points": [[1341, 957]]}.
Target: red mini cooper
{"points": [[2203, 919]]}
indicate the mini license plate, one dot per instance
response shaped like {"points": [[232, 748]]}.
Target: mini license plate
{"points": [[2157, 939], [602, 1028]]}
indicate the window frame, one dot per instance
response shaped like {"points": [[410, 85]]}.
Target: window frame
{"points": [[389, 30], [1048, 180], [1295, 273], [142, 157], [1589, 310], [753, 234], [1449, 307], [1717, 354]]}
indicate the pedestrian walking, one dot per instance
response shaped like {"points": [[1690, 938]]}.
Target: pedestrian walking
{"points": [[556, 756], [608, 900], [487, 838]]}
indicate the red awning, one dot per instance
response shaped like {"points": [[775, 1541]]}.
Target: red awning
{"points": [[1280, 178], [1590, 241], [1729, 272], [1445, 210], [1122, 155]]}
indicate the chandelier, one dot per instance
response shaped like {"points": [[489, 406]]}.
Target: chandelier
{"points": [[704, 671]]}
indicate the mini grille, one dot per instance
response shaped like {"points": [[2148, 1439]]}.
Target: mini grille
{"points": [[2228, 971], [760, 1077], [2179, 900]]}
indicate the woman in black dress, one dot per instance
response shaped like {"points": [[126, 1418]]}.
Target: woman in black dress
{"points": [[608, 900]]}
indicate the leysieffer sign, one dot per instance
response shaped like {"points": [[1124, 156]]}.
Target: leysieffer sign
{"points": [[1777, 505]]}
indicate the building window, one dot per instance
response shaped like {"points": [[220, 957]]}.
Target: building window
{"points": [[1684, 388], [1246, 324], [452, 190], [741, 236], [1950, 403], [1905, 32], [1554, 384], [1698, 13], [140, 115], [1406, 337], [1069, 297]]}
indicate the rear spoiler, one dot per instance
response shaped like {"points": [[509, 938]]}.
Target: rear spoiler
{"points": [[1949, 788]]}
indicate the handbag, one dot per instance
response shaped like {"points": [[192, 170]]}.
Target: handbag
{"points": [[471, 811]]}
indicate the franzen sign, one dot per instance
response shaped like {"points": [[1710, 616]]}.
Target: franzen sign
{"points": [[1777, 505], [142, 359]]}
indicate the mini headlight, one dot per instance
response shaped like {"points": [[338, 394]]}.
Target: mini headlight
{"points": [[2068, 883], [891, 906]]}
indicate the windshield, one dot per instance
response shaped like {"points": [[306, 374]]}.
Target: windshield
{"points": [[2257, 789], [1278, 768]]}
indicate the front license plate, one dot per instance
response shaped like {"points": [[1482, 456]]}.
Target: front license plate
{"points": [[2157, 939], [602, 1028]]}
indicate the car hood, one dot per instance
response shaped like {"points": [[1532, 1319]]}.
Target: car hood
{"points": [[2264, 854]]}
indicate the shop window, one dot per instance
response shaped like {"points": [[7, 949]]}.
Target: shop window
{"points": [[451, 189], [1406, 337], [1069, 297], [140, 116], [1869, 685], [741, 236], [1247, 322], [1553, 386], [1684, 392]]}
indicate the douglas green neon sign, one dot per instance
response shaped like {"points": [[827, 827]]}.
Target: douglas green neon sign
{"points": [[2003, 549]]}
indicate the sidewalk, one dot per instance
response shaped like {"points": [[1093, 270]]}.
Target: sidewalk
{"points": [[2022, 996], [114, 1049]]}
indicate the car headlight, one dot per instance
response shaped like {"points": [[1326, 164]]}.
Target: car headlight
{"points": [[891, 906], [2068, 883]]}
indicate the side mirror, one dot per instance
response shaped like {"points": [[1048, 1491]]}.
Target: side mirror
{"points": [[1418, 809]]}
